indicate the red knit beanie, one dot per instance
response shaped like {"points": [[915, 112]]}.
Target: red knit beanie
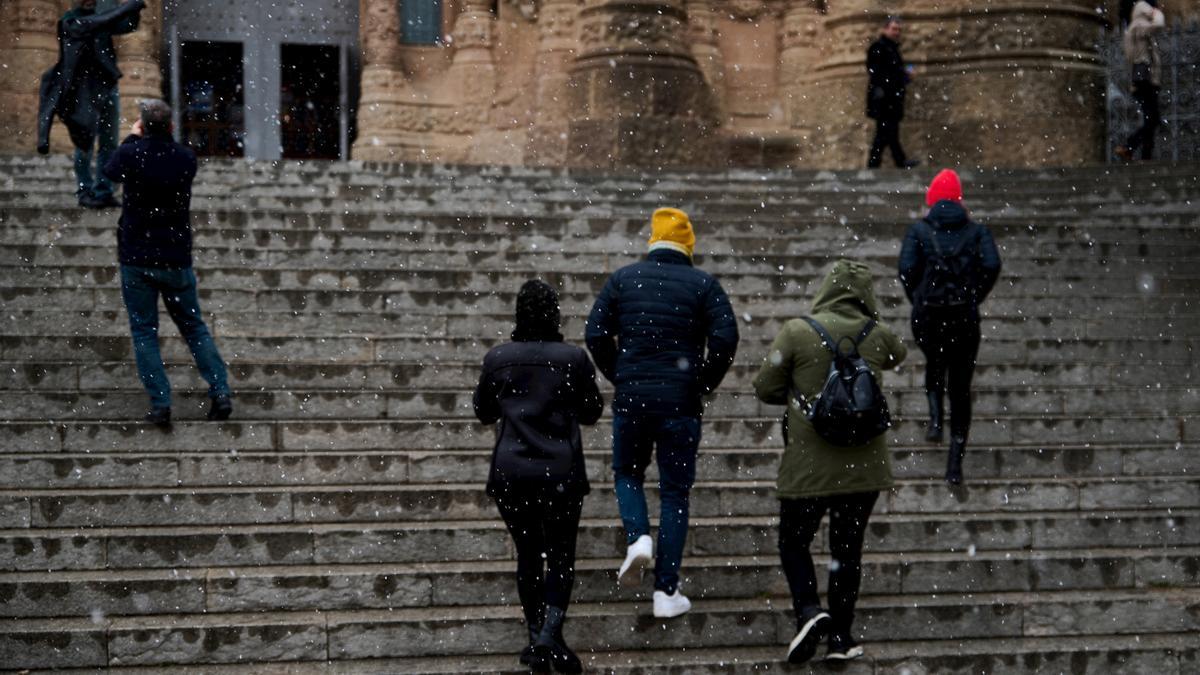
{"points": [[945, 185]]}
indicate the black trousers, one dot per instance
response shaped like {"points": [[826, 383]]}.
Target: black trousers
{"points": [[799, 520], [887, 135], [543, 525], [1146, 94], [950, 342]]}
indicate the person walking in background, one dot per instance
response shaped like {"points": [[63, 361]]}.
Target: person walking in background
{"points": [[648, 333], [81, 89], [1146, 21], [948, 265], [154, 242], [816, 476], [540, 389], [887, 82]]}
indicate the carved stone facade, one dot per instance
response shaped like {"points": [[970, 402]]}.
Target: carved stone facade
{"points": [[648, 83]]}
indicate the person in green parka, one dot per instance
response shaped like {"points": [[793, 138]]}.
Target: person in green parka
{"points": [[816, 476]]}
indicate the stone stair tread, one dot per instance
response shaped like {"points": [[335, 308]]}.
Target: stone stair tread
{"points": [[505, 566]]}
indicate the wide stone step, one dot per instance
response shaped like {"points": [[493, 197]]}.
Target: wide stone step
{"points": [[419, 403], [226, 638], [218, 466], [120, 376], [404, 542], [1086, 655], [343, 349], [459, 433], [383, 586], [365, 503]]}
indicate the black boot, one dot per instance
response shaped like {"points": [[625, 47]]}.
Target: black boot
{"points": [[958, 448], [550, 650], [842, 646], [934, 433], [533, 622]]}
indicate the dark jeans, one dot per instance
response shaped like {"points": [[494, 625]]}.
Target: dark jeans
{"points": [[106, 141], [799, 520], [543, 525], [950, 342], [140, 287], [677, 439], [1146, 95], [887, 135]]}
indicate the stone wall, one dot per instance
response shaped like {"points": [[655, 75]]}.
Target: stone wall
{"points": [[775, 82]]}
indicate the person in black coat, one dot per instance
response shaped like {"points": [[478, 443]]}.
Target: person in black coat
{"points": [[154, 243], [664, 334], [540, 390], [887, 82], [81, 89], [948, 266]]}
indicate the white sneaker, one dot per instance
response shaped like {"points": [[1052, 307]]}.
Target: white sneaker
{"points": [[667, 606], [638, 557]]}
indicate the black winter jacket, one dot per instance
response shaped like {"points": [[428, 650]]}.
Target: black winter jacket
{"points": [[86, 71], [648, 332], [948, 221], [155, 227], [887, 80], [539, 392]]}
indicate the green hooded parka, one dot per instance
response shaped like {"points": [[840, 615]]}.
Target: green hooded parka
{"points": [[812, 467]]}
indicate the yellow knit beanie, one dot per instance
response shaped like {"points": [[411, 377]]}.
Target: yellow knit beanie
{"points": [[670, 228]]}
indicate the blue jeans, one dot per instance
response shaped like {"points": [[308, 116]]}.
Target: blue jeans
{"points": [[677, 439], [109, 114], [140, 287]]}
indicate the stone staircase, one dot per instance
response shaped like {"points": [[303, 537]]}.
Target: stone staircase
{"points": [[338, 523]]}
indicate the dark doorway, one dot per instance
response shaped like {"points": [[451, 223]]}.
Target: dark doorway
{"points": [[310, 102], [213, 111]]}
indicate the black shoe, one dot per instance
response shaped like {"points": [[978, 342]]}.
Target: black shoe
{"points": [[550, 650], [220, 409], [934, 433], [842, 647], [910, 164], [159, 417], [106, 202], [812, 632], [958, 448], [87, 201]]}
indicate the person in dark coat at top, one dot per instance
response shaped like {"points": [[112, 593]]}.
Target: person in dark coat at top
{"points": [[540, 390], [948, 266], [887, 83], [664, 333], [154, 243], [81, 90]]}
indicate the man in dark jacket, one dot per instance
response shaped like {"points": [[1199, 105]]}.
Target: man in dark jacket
{"points": [[81, 89], [647, 333], [887, 81], [154, 241], [948, 265], [540, 389]]}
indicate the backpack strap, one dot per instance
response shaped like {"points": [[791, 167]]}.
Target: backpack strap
{"points": [[972, 234], [826, 338], [866, 330]]}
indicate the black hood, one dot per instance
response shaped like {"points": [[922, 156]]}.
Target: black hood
{"points": [[948, 215]]}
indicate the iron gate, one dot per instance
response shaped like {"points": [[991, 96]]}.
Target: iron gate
{"points": [[1178, 138]]}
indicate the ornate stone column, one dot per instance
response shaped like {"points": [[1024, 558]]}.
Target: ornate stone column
{"points": [[998, 83], [378, 137], [557, 39], [28, 46], [472, 71], [138, 56], [798, 57], [703, 32], [638, 97]]}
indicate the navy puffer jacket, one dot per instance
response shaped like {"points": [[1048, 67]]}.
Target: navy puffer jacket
{"points": [[664, 333]]}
